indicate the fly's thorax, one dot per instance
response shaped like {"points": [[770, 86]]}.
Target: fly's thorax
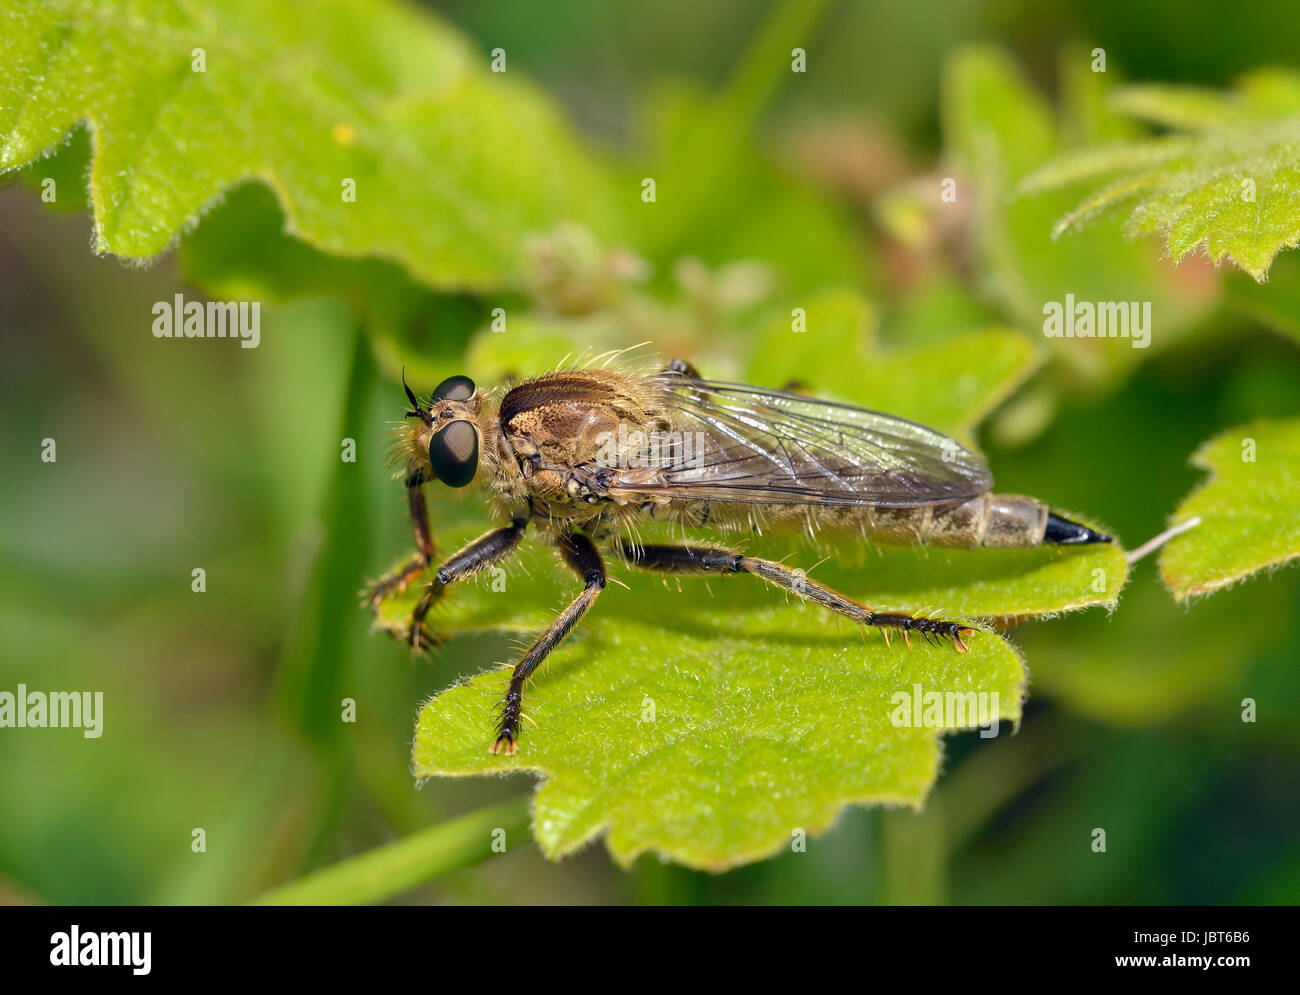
{"points": [[563, 434], [552, 490], [578, 418]]}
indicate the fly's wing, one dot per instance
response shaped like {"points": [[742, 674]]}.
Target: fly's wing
{"points": [[753, 446]]}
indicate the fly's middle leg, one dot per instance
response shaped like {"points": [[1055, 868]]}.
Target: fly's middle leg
{"points": [[687, 559], [581, 555]]}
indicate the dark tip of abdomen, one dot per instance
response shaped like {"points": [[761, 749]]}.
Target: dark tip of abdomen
{"points": [[1063, 532]]}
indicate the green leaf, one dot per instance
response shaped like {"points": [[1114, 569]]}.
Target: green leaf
{"points": [[452, 163], [751, 739], [1228, 184], [1247, 509], [767, 716]]}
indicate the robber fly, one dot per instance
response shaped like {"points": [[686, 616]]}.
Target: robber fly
{"points": [[585, 455]]}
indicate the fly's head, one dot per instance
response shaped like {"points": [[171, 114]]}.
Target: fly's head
{"points": [[444, 439]]}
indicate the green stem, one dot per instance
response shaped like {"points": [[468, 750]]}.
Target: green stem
{"points": [[916, 870], [398, 867]]}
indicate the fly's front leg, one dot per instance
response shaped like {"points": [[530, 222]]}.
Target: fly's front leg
{"points": [[684, 559], [480, 554], [424, 548], [582, 556]]}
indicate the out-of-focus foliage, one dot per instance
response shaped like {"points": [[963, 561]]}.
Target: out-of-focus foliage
{"points": [[997, 129], [951, 386], [1227, 181]]}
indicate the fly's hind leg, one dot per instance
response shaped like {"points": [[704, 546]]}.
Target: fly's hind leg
{"points": [[705, 560], [584, 559]]}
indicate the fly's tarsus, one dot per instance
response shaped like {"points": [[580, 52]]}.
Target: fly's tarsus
{"points": [[395, 582], [421, 638], [477, 555], [929, 628], [415, 632], [508, 716]]}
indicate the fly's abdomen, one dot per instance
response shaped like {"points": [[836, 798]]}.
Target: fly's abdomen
{"points": [[996, 520], [1006, 521]]}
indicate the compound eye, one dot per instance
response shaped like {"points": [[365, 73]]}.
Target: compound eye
{"points": [[454, 389], [453, 451]]}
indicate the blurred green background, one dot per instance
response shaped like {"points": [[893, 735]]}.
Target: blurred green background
{"points": [[176, 455]]}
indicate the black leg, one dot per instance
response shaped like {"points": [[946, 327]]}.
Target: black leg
{"points": [[583, 557], [424, 548], [482, 552], [478, 555], [684, 559]]}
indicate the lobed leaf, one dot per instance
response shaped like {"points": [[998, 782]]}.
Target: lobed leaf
{"points": [[451, 163], [1247, 509], [1230, 186], [697, 730], [998, 133]]}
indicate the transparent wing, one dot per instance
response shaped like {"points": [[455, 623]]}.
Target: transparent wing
{"points": [[732, 442]]}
